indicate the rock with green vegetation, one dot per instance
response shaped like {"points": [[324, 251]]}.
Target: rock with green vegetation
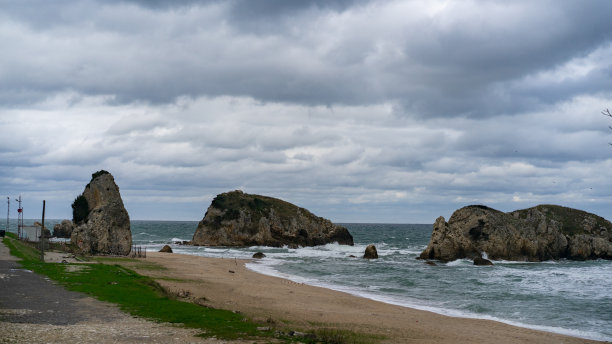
{"points": [[105, 228], [239, 219], [540, 233]]}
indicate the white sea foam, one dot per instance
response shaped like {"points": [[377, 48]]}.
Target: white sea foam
{"points": [[459, 262], [324, 251]]}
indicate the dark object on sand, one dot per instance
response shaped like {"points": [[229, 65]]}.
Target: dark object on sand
{"points": [[166, 249]]}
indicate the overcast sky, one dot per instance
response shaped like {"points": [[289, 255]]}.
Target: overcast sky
{"points": [[361, 111]]}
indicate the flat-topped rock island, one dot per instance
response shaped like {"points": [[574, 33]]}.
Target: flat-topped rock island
{"points": [[239, 219]]}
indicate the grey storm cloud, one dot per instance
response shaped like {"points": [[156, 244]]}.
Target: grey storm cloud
{"points": [[476, 57], [245, 10]]}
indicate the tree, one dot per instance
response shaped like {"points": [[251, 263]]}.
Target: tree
{"points": [[606, 112], [80, 210]]}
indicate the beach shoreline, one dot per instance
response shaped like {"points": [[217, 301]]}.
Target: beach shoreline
{"points": [[251, 265], [284, 304]]}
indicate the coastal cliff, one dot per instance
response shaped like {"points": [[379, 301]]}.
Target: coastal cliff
{"points": [[102, 225], [239, 219], [540, 233]]}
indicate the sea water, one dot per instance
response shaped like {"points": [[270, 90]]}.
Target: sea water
{"points": [[567, 297]]}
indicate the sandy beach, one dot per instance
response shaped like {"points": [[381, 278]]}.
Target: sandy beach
{"points": [[228, 284]]}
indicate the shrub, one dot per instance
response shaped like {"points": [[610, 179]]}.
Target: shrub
{"points": [[80, 210]]}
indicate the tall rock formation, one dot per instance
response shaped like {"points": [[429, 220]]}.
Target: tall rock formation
{"points": [[239, 219], [102, 223], [540, 233]]}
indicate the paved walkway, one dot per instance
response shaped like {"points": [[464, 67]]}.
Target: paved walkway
{"points": [[26, 297]]}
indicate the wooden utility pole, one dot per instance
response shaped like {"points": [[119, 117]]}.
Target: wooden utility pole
{"points": [[8, 212], [42, 236]]}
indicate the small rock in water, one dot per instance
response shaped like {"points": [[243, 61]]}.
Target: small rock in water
{"points": [[429, 262], [259, 255], [370, 252], [166, 249], [482, 261]]}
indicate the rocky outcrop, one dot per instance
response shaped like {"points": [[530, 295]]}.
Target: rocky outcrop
{"points": [[259, 255], [104, 228], [239, 219], [370, 252], [63, 229], [540, 233]]}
